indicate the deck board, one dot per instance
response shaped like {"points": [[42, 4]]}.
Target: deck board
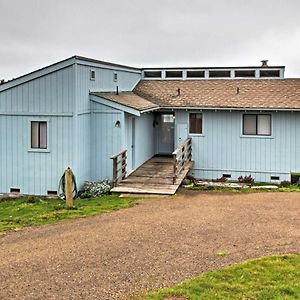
{"points": [[155, 176]]}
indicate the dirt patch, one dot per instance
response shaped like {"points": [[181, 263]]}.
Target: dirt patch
{"points": [[155, 244]]}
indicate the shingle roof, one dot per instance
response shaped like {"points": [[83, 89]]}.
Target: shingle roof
{"points": [[247, 93], [128, 99]]}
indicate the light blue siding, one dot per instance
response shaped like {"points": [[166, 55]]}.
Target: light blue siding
{"points": [[49, 98], [96, 134], [144, 139], [80, 135], [222, 148], [106, 139], [102, 83], [33, 172]]}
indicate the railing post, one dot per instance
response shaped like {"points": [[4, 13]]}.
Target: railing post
{"points": [[115, 171], [174, 167], [124, 165], [119, 166]]}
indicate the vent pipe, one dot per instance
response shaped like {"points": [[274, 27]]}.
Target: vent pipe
{"points": [[117, 91], [264, 63]]}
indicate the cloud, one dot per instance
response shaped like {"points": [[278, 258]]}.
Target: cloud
{"points": [[35, 33]]}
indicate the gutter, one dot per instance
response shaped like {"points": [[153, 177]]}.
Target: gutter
{"points": [[228, 108]]}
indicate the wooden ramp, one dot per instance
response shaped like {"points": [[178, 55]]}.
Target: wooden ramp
{"points": [[155, 176]]}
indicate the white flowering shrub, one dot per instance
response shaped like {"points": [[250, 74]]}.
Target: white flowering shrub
{"points": [[94, 189]]}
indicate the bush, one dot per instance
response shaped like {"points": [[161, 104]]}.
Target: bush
{"points": [[246, 179], [94, 189], [221, 179], [285, 183]]}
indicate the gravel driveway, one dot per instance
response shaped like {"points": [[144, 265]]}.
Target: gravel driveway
{"points": [[154, 244]]}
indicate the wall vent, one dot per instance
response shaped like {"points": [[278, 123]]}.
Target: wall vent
{"points": [[226, 175], [275, 177], [15, 190], [52, 193]]}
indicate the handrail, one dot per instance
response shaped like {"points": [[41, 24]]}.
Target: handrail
{"points": [[119, 172], [181, 156], [118, 154]]}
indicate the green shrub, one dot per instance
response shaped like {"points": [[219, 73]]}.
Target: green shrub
{"points": [[95, 189]]}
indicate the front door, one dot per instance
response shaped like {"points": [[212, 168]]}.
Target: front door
{"points": [[166, 123]]}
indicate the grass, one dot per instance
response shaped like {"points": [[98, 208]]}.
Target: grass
{"points": [[275, 277], [28, 211]]}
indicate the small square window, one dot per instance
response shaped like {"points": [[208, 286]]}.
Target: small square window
{"points": [[196, 123], [257, 124], [38, 135], [92, 74], [115, 76]]}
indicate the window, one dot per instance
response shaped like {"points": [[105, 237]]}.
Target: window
{"points": [[168, 118], [195, 74], [244, 73], [115, 76], [219, 74], [196, 123], [254, 124], [152, 74], [92, 74], [269, 73], [173, 74], [38, 135]]}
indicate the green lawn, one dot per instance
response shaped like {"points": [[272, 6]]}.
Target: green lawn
{"points": [[28, 211], [275, 277]]}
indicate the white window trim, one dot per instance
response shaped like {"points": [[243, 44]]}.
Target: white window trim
{"points": [[257, 136], [47, 150], [203, 123]]}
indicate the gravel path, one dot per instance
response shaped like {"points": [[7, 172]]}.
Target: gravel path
{"points": [[156, 243]]}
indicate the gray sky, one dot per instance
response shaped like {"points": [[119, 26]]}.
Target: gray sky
{"points": [[144, 33]]}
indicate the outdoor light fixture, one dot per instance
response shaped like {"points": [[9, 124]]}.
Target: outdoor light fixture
{"points": [[118, 124]]}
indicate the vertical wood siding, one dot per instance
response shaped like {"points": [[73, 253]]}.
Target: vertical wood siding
{"points": [[106, 140], [222, 148], [144, 139], [50, 98], [96, 134], [33, 172]]}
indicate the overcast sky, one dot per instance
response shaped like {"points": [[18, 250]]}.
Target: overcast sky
{"points": [[143, 33]]}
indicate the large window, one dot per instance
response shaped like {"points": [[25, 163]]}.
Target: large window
{"points": [[257, 124], [196, 125], [38, 134]]}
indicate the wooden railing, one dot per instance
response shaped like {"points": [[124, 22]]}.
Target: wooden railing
{"points": [[119, 166], [181, 157]]}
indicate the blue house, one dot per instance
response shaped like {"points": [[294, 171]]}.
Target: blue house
{"points": [[80, 112]]}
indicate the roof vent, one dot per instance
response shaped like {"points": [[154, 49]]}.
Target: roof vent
{"points": [[264, 63]]}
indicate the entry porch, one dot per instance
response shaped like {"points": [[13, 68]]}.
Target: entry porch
{"points": [[162, 174]]}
